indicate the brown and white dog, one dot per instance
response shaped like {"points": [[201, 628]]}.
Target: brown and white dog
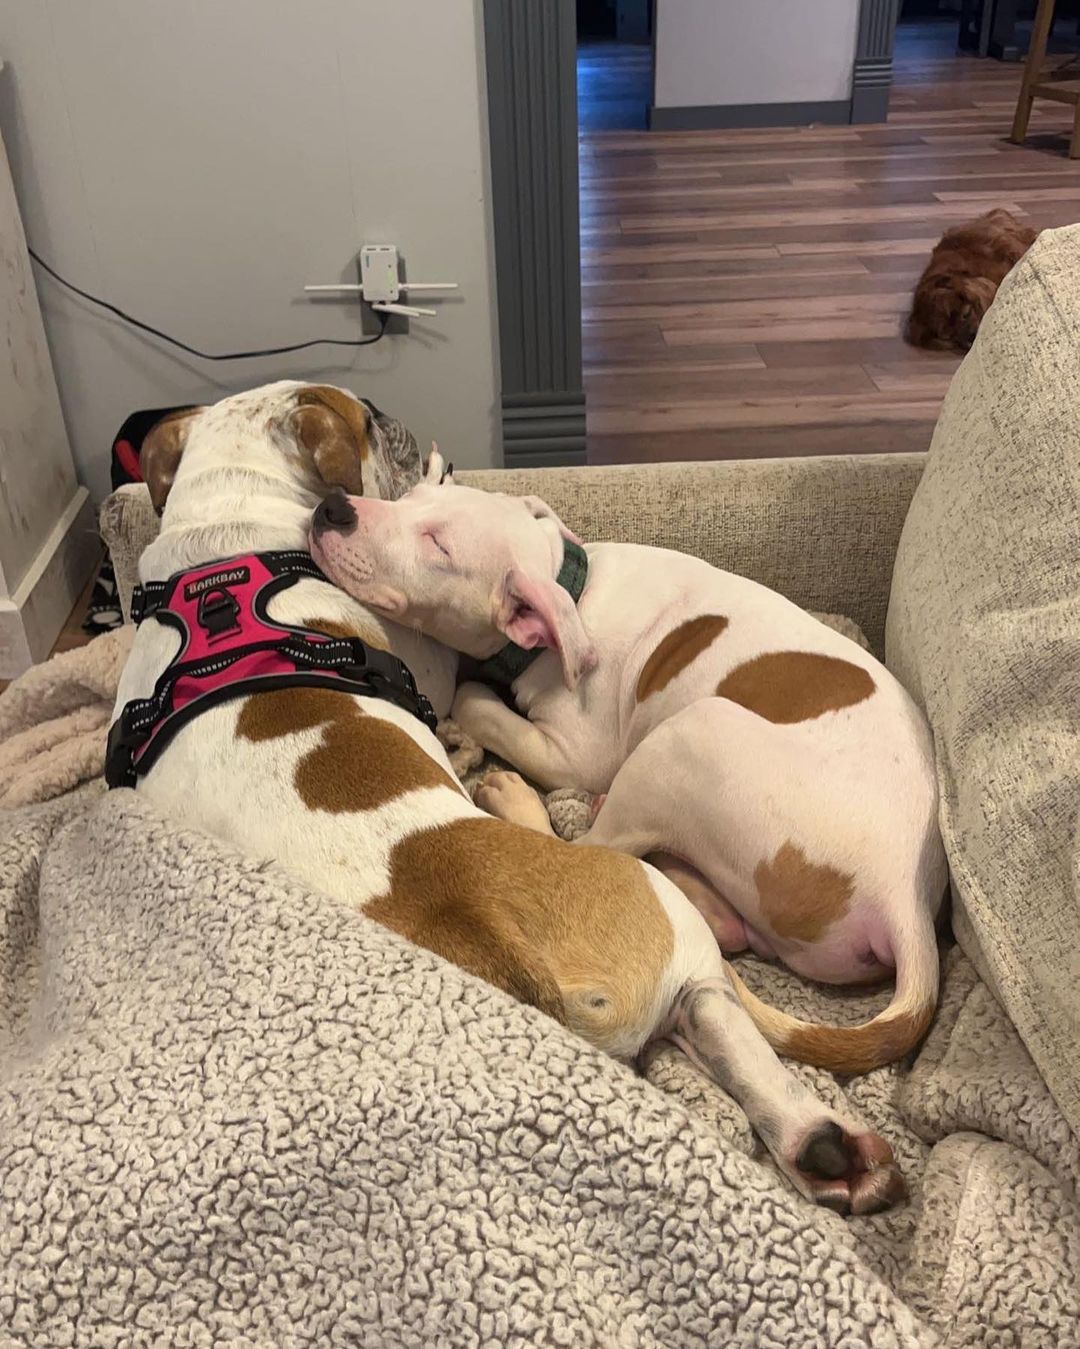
{"points": [[357, 798], [769, 766]]}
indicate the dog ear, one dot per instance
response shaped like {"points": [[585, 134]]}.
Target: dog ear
{"points": [[436, 471], [333, 430], [161, 452], [537, 611], [540, 510]]}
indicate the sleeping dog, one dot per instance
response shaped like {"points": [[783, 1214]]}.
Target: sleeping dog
{"points": [[265, 706], [771, 767]]}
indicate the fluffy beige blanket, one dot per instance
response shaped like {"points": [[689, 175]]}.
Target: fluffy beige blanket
{"points": [[54, 719], [232, 1111]]}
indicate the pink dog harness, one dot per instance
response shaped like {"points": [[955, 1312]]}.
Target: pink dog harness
{"points": [[230, 647]]}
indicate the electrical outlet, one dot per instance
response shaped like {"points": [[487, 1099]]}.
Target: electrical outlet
{"points": [[380, 286], [379, 273]]}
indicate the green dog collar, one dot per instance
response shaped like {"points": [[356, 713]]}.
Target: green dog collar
{"points": [[512, 660]]}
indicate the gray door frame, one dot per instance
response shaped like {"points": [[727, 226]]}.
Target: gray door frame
{"points": [[531, 57], [871, 77]]}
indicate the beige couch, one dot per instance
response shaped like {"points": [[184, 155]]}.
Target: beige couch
{"points": [[822, 531], [301, 1128], [989, 1150]]}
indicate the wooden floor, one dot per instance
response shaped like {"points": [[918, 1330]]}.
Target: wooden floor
{"points": [[743, 290], [72, 634], [614, 86]]}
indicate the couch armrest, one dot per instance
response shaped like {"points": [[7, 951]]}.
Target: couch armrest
{"points": [[128, 523], [822, 531]]}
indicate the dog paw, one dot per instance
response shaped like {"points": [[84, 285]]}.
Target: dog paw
{"points": [[850, 1173], [509, 797]]}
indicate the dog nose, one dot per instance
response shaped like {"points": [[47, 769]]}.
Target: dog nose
{"points": [[334, 513]]}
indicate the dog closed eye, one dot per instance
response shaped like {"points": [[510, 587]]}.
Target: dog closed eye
{"points": [[432, 538]]}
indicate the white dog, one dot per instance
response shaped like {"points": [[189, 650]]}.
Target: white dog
{"points": [[771, 767], [261, 704]]}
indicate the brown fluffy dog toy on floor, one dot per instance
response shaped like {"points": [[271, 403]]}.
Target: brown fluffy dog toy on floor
{"points": [[962, 278]]}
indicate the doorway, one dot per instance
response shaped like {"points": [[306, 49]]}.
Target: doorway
{"points": [[1000, 29], [614, 64]]}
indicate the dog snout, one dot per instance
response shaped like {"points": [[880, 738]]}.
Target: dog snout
{"points": [[335, 513]]}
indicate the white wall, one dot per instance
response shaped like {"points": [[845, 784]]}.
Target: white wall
{"points": [[197, 162], [723, 52]]}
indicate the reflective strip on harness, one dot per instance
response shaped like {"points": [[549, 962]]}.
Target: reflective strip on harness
{"points": [[231, 647]]}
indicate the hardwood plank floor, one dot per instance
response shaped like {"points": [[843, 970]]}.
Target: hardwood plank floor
{"points": [[743, 291], [614, 85]]}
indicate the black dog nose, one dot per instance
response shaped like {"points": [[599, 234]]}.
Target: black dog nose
{"points": [[334, 512]]}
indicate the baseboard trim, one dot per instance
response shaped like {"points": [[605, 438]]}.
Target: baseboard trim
{"points": [[33, 617], [870, 103], [722, 117], [543, 429]]}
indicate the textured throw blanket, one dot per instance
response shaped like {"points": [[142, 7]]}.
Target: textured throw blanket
{"points": [[233, 1111], [54, 720]]}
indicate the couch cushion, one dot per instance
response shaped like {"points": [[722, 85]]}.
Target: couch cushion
{"points": [[984, 628], [820, 530]]}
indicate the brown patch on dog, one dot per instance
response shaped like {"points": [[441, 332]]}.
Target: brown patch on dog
{"points": [[575, 931], [351, 411], [369, 633], [269, 716], [859, 1049], [790, 686], [801, 900], [676, 651], [362, 761], [332, 429], [161, 452]]}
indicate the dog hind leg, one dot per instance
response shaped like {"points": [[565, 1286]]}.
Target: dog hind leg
{"points": [[832, 1159]]}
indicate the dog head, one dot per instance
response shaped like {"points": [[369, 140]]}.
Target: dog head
{"points": [[473, 569], [947, 310], [317, 437]]}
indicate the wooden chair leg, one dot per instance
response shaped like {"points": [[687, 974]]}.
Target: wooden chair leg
{"points": [[1040, 34], [1024, 104]]}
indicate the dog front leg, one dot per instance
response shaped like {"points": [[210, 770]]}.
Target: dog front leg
{"points": [[483, 715], [833, 1160]]}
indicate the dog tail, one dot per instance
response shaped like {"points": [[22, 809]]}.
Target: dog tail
{"points": [[888, 1036]]}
